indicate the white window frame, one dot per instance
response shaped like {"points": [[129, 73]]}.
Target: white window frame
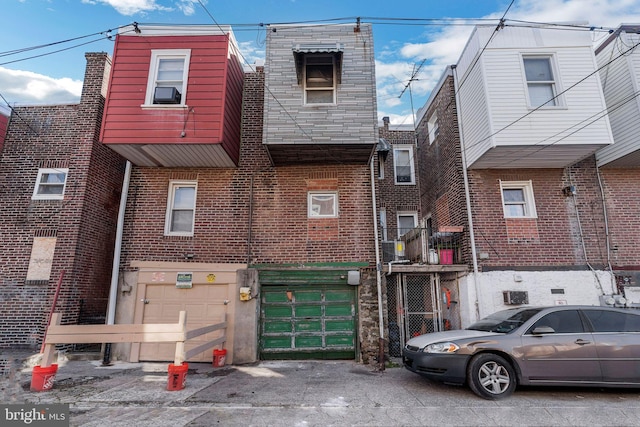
{"points": [[400, 214], [553, 83], [433, 127], [173, 186], [529, 204], [333, 88], [156, 56], [38, 196], [383, 224], [313, 210], [380, 167], [409, 149]]}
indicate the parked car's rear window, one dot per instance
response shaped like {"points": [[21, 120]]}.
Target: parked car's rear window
{"points": [[613, 321], [504, 321]]}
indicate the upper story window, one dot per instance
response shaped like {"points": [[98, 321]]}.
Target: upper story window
{"points": [[50, 184], [181, 208], [407, 221], [403, 164], [319, 79], [322, 205], [541, 83], [433, 127], [168, 73], [517, 199], [319, 71]]}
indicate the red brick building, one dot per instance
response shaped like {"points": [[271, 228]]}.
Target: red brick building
{"points": [[60, 196], [265, 229]]}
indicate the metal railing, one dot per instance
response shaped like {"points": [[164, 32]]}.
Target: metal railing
{"points": [[420, 246]]}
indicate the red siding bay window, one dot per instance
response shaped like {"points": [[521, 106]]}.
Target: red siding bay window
{"points": [[174, 97]]}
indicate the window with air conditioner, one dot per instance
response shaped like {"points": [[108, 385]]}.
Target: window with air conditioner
{"points": [[168, 75]]}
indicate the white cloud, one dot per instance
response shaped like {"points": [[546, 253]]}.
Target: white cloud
{"points": [[32, 88], [443, 48], [132, 7]]}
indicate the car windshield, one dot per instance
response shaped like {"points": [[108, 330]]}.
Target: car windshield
{"points": [[504, 321]]}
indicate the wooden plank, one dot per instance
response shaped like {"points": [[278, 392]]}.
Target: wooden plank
{"points": [[204, 347], [114, 329], [62, 338], [205, 329]]}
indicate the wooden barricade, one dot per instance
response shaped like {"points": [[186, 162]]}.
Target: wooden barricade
{"points": [[157, 332]]}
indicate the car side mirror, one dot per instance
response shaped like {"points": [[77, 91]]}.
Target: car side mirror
{"points": [[543, 330]]}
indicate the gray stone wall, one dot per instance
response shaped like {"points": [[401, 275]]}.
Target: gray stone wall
{"points": [[352, 120]]}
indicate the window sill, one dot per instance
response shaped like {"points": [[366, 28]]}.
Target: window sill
{"points": [[164, 106]]}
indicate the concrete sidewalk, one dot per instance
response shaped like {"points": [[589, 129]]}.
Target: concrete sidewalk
{"points": [[304, 393]]}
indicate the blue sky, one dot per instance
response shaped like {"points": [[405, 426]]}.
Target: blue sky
{"points": [[405, 33]]}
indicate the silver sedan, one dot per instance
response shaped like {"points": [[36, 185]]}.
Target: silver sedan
{"points": [[563, 345]]}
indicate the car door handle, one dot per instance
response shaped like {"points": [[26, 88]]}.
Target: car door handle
{"points": [[582, 342]]}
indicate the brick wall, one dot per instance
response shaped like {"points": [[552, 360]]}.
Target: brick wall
{"points": [[394, 198], [275, 198], [440, 163], [623, 214], [58, 136], [553, 240]]}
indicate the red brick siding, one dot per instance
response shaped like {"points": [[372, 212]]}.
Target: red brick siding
{"points": [[622, 197], [84, 222], [281, 232], [554, 239], [392, 197]]}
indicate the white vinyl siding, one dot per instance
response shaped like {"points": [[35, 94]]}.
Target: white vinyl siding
{"points": [[494, 101], [620, 80]]}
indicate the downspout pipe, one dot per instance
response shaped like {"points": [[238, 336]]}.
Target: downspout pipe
{"points": [[467, 193], [378, 268], [115, 271]]}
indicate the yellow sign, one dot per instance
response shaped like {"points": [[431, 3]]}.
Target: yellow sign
{"points": [[211, 277]]}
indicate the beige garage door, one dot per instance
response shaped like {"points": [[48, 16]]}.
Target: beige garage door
{"points": [[204, 304]]}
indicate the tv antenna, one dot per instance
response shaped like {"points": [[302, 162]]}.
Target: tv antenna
{"points": [[414, 74]]}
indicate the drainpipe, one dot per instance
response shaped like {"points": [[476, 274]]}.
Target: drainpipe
{"points": [[378, 268], [463, 155], [113, 291]]}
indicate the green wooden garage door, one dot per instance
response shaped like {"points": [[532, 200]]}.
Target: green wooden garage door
{"points": [[310, 322]]}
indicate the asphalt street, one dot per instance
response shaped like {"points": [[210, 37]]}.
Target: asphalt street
{"points": [[304, 393]]}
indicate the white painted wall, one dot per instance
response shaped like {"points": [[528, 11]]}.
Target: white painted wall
{"points": [[580, 288]]}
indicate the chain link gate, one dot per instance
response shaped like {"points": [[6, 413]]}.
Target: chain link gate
{"points": [[414, 308]]}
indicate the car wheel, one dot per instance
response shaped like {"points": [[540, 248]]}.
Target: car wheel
{"points": [[491, 376]]}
